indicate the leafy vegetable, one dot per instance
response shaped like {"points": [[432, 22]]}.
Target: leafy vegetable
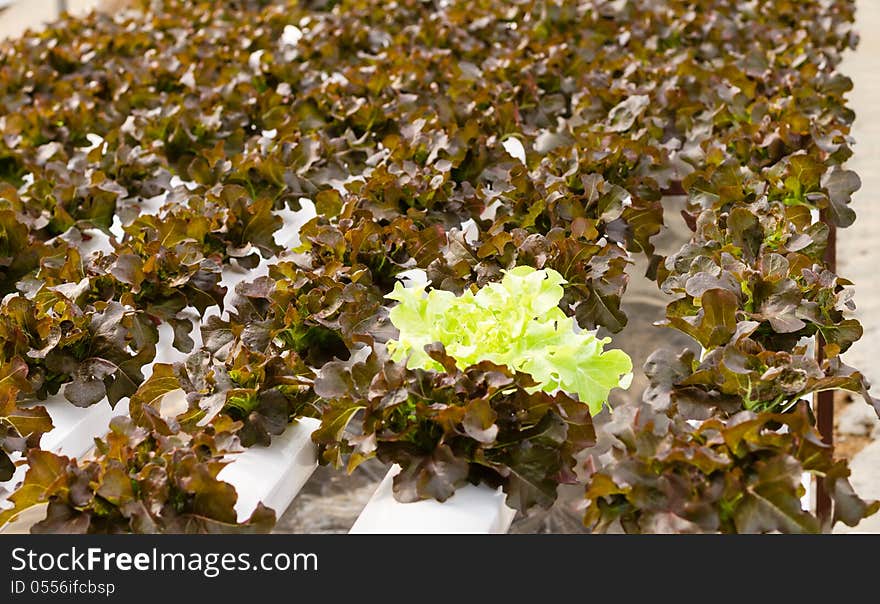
{"points": [[515, 322], [20, 427], [451, 427], [742, 475], [94, 354], [142, 482]]}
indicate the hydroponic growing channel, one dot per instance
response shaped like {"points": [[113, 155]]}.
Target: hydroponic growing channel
{"points": [[263, 236]]}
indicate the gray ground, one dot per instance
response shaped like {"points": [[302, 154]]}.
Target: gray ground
{"points": [[857, 245], [31, 14]]}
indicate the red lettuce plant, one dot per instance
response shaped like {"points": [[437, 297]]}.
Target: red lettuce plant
{"points": [[739, 475]]}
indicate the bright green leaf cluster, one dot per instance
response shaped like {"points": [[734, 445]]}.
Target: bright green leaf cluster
{"points": [[516, 322]]}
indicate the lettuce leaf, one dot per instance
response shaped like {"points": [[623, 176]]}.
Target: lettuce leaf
{"points": [[514, 322]]}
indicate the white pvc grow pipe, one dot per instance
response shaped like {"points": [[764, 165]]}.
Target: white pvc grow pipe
{"points": [[75, 427], [273, 475], [472, 509]]}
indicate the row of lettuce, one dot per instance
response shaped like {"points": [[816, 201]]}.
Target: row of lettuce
{"points": [[485, 143]]}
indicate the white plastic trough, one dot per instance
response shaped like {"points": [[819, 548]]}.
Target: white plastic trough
{"points": [[472, 509], [75, 427], [273, 475]]}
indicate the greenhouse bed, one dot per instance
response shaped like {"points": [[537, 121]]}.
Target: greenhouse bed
{"points": [[281, 235]]}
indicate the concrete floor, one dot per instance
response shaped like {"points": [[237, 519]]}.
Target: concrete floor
{"points": [[858, 248], [22, 15]]}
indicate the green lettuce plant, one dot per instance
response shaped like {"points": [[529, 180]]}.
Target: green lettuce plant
{"points": [[515, 322]]}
